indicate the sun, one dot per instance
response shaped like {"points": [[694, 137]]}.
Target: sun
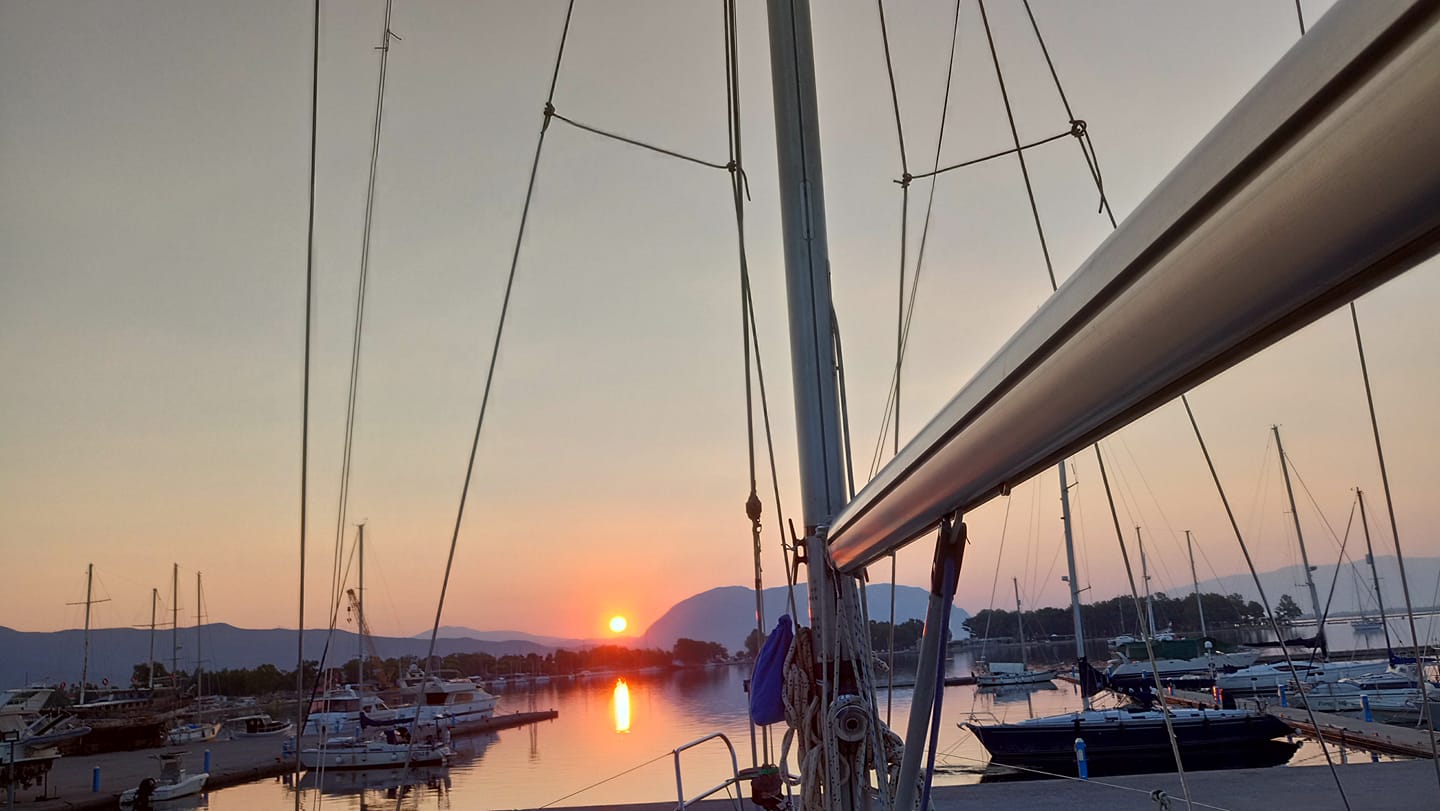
{"points": [[618, 624]]}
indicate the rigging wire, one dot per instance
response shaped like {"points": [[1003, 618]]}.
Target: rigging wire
{"points": [[1264, 601], [1019, 153], [1389, 502], [636, 142], [900, 299], [735, 166], [305, 388], [363, 280], [494, 359], [892, 408]]}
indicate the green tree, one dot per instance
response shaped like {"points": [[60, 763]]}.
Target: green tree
{"points": [[140, 677], [754, 641], [696, 652], [1287, 610]]}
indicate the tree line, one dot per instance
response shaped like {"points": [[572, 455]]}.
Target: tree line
{"points": [[1117, 616], [267, 679]]}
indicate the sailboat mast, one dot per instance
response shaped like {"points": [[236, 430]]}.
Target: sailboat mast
{"points": [[812, 356], [1145, 576], [1199, 603], [1300, 538], [807, 285], [198, 690], [1073, 579], [1374, 573], [85, 662], [360, 613], [1019, 620], [154, 601], [175, 625]]}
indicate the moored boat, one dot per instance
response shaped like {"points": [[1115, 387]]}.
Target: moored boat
{"points": [[174, 782]]}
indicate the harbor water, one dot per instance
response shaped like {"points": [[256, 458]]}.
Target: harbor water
{"points": [[613, 743]]}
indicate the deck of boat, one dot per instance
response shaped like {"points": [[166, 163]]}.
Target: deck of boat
{"points": [[1394, 786]]}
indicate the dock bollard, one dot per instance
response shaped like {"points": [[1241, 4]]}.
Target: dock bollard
{"points": [[95, 781], [207, 761], [1284, 698], [1080, 765], [1365, 707]]}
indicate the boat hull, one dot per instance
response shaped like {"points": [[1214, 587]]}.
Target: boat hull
{"points": [[1130, 746], [188, 785]]}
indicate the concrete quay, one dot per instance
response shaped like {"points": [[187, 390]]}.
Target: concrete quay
{"points": [[69, 785], [232, 762], [1393, 786]]}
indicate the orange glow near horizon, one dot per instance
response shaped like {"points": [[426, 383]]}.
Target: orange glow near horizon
{"points": [[622, 706], [618, 624]]}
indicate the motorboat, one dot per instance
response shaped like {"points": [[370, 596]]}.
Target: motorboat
{"points": [[174, 782], [337, 711], [258, 726], [393, 748], [1269, 678]]}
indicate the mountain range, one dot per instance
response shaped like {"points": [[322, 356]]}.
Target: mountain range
{"points": [[724, 615], [1354, 591]]}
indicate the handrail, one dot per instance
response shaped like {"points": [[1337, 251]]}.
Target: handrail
{"points": [[734, 767]]}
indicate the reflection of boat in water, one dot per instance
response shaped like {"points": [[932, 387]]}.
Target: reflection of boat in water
{"points": [[174, 782], [390, 780]]}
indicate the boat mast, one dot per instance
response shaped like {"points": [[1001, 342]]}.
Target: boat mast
{"points": [[154, 600], [1374, 573], [1145, 576], [360, 613], [1073, 580], [198, 689], [807, 284], [1300, 538], [1020, 620], [175, 625], [1199, 603], [85, 662]]}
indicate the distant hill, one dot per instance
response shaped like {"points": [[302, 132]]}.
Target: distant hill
{"points": [[552, 642], [56, 656], [727, 615], [1424, 574]]}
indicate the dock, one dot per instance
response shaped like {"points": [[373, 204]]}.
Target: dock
{"points": [[1375, 737], [232, 762], [1392, 786]]}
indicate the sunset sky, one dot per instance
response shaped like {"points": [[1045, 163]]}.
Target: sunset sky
{"points": [[153, 171]]}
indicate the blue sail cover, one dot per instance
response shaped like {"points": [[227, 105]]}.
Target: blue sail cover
{"points": [[767, 683]]}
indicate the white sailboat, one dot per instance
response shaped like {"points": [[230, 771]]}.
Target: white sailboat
{"points": [[1012, 674]]}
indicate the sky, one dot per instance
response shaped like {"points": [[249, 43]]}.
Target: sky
{"points": [[153, 198]]}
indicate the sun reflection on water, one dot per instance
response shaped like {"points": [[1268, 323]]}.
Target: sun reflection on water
{"points": [[621, 706]]}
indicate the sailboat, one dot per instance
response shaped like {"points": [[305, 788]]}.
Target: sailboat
{"points": [[1012, 674]]}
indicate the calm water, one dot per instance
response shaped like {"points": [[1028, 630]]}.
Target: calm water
{"points": [[582, 758]]}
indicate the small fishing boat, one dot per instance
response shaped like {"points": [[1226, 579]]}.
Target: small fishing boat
{"points": [[258, 726], [193, 733], [174, 782]]}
